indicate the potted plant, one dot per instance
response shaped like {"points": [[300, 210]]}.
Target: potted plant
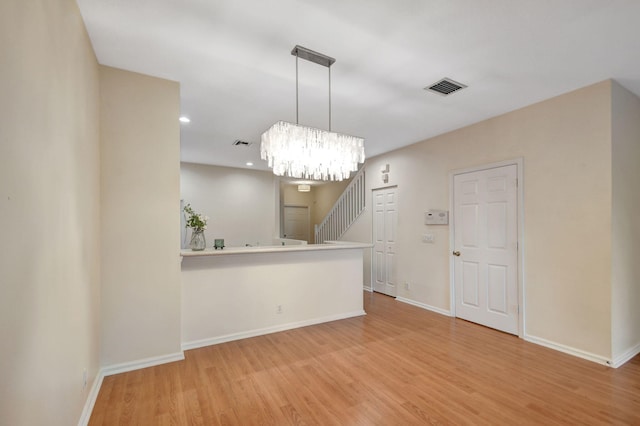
{"points": [[198, 224]]}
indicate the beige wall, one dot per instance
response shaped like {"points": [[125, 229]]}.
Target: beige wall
{"points": [[566, 146], [140, 216], [240, 203], [325, 196], [625, 250], [49, 210], [294, 197]]}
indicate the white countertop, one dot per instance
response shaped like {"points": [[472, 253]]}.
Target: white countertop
{"points": [[330, 245]]}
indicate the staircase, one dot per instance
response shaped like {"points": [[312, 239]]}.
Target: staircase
{"points": [[345, 211]]}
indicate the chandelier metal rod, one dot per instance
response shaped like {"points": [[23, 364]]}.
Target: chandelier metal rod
{"points": [[318, 58], [297, 120]]}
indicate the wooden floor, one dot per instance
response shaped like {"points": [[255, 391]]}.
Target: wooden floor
{"points": [[399, 365]]}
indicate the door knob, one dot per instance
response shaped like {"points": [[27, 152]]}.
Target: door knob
{"points": [[456, 253]]}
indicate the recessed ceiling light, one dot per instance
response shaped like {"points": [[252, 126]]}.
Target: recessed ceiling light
{"points": [[249, 163], [184, 119]]}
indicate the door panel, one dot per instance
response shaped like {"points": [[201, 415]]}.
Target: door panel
{"points": [[485, 234], [497, 288], [469, 225], [469, 187], [380, 270], [470, 284], [497, 184], [378, 243], [296, 222], [497, 225], [379, 220], [391, 274]]}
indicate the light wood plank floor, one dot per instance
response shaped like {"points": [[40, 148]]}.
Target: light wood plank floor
{"points": [[399, 365]]}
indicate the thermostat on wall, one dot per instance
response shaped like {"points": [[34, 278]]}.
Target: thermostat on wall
{"points": [[436, 217]]}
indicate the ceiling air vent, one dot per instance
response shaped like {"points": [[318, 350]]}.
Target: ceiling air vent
{"points": [[445, 87], [239, 142]]}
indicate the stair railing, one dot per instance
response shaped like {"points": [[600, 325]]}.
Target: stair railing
{"points": [[344, 212]]}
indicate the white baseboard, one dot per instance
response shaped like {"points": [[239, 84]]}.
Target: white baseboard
{"points": [[141, 363], [568, 350], [91, 400], [369, 289], [626, 356], [120, 368], [268, 330], [424, 306]]}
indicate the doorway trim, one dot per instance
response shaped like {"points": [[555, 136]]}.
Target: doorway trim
{"points": [[519, 163]]}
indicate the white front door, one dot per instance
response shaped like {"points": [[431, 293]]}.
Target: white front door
{"points": [[485, 249], [385, 223], [296, 222]]}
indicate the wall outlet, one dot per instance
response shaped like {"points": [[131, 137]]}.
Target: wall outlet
{"points": [[84, 379], [278, 309], [428, 238], [407, 286]]}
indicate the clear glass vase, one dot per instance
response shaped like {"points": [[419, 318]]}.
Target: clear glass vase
{"points": [[198, 242]]}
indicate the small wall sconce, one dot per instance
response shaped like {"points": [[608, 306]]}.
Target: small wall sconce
{"points": [[304, 188], [385, 173]]}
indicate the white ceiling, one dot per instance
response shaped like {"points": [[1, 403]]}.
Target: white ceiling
{"points": [[237, 75]]}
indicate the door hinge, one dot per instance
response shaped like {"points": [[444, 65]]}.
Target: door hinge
{"points": [[516, 182]]}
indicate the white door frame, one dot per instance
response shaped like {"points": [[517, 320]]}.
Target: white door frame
{"points": [[519, 163]]}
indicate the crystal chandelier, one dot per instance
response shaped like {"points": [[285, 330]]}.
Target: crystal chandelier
{"points": [[306, 152]]}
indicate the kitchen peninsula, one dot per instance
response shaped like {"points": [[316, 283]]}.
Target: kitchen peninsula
{"points": [[243, 292]]}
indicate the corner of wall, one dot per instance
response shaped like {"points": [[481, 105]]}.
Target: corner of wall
{"points": [[140, 217], [625, 250]]}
